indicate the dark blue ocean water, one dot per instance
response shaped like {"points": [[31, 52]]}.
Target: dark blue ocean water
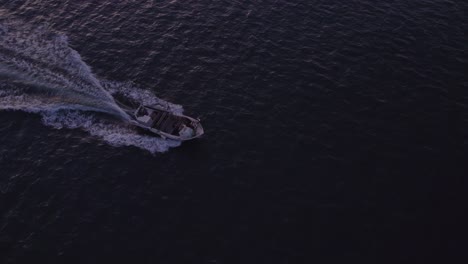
{"points": [[335, 131]]}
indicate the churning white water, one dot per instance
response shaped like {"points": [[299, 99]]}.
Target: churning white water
{"points": [[40, 73]]}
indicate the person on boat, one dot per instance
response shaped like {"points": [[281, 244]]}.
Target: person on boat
{"points": [[186, 132]]}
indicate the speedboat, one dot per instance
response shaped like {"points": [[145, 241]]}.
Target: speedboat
{"points": [[166, 124]]}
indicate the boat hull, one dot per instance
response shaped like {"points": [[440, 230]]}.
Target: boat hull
{"points": [[165, 124]]}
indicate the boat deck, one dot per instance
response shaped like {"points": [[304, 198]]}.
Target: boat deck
{"points": [[165, 122]]}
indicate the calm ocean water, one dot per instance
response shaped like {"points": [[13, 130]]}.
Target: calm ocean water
{"points": [[335, 131]]}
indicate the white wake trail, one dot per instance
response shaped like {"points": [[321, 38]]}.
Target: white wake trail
{"points": [[40, 73]]}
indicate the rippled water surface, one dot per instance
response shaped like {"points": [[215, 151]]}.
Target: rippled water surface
{"points": [[335, 131]]}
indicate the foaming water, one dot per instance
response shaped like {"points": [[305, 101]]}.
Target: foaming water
{"points": [[115, 133], [42, 74], [132, 92]]}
